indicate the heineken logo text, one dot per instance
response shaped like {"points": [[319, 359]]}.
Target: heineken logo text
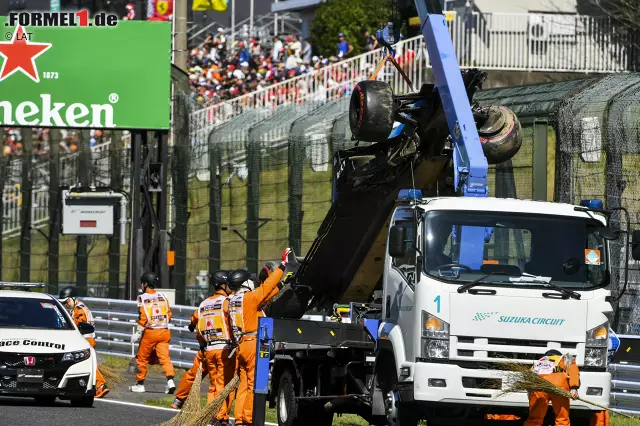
{"points": [[56, 114]]}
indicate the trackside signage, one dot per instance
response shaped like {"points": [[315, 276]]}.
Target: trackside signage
{"points": [[115, 77]]}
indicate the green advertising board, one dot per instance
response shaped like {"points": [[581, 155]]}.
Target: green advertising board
{"points": [[86, 77]]}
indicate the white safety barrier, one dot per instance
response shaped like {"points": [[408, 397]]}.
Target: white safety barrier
{"points": [[625, 385], [116, 322]]}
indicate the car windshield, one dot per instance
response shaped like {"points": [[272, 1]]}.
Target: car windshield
{"points": [[537, 248], [18, 312]]}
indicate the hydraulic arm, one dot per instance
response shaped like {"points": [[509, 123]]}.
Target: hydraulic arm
{"points": [[436, 149]]}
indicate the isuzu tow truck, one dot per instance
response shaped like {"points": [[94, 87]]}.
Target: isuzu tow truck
{"points": [[467, 281]]}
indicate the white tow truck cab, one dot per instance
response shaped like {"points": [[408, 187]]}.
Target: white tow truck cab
{"points": [[449, 319]]}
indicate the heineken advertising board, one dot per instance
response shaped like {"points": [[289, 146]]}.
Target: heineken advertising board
{"points": [[117, 75]]}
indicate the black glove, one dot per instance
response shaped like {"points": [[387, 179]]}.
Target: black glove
{"points": [[191, 327]]}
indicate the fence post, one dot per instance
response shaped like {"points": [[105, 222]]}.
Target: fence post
{"points": [[180, 169], [54, 211], [540, 144], [215, 206], [82, 259], [115, 181], [135, 244], [25, 211], [163, 202], [253, 206], [296, 166]]}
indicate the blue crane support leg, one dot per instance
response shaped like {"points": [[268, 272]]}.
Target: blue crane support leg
{"points": [[469, 163], [261, 376]]}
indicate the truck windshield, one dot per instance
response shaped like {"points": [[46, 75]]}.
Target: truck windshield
{"points": [[32, 313], [563, 249]]}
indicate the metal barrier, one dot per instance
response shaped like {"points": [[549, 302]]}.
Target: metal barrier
{"points": [[116, 322], [625, 385]]}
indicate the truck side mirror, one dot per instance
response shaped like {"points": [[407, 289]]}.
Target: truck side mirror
{"points": [[635, 245], [398, 236]]}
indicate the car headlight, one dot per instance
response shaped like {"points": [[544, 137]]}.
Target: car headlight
{"points": [[435, 337], [76, 356], [598, 337]]}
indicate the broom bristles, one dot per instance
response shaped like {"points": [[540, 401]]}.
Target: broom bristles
{"points": [[211, 410], [191, 406], [524, 380]]}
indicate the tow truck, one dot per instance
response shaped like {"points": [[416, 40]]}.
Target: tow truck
{"points": [[441, 283]]}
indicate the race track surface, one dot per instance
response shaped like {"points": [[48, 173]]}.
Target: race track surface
{"points": [[24, 411]]}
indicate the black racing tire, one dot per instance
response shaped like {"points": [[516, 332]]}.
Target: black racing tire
{"points": [[500, 134], [85, 401], [371, 111], [45, 400], [286, 402]]}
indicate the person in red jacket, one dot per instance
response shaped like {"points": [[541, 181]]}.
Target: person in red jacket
{"points": [[245, 307], [562, 371]]}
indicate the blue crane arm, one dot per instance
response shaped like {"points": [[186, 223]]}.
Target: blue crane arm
{"points": [[469, 162]]}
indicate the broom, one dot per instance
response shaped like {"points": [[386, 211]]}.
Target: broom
{"points": [[191, 407], [209, 412], [525, 380], [113, 377]]}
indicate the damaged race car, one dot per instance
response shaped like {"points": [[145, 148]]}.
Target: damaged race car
{"points": [[43, 354]]}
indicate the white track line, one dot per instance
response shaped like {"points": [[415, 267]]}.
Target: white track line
{"points": [[133, 404]]}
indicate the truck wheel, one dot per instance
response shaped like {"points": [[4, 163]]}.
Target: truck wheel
{"points": [[286, 403], [86, 401], [371, 111], [400, 413], [500, 133]]}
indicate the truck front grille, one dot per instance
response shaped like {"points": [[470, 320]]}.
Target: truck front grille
{"points": [[499, 349]]}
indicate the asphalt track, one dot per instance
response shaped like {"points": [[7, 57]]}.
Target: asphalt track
{"points": [[24, 411]]}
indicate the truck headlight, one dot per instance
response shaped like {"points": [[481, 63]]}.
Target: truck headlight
{"points": [[76, 356], [595, 357], [598, 337], [435, 337]]}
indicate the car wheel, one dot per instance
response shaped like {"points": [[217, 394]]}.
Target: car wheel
{"points": [[371, 111], [85, 401], [45, 400], [500, 133]]}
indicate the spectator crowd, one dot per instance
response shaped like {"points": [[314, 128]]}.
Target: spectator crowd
{"points": [[219, 71]]}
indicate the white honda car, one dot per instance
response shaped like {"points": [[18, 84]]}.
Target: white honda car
{"points": [[42, 353]]}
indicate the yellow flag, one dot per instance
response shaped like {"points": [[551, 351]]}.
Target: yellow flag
{"points": [[217, 5]]}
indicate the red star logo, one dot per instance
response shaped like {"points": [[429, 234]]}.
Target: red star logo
{"points": [[20, 54]]}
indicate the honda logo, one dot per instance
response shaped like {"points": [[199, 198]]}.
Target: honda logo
{"points": [[29, 361]]}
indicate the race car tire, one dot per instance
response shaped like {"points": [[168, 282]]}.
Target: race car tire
{"points": [[500, 134], [371, 111], [45, 400], [85, 401]]}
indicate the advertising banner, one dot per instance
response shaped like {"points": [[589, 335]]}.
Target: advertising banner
{"points": [[67, 69]]}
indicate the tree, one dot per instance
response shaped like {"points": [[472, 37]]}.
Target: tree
{"points": [[351, 17]]}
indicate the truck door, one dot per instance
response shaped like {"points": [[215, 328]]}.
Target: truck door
{"points": [[399, 289]]}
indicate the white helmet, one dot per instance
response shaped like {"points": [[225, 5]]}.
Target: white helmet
{"points": [[249, 284]]}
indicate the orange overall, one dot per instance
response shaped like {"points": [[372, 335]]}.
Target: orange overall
{"points": [[80, 314], [183, 389], [245, 307], [557, 372], [501, 417], [212, 320], [601, 418], [154, 315]]}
